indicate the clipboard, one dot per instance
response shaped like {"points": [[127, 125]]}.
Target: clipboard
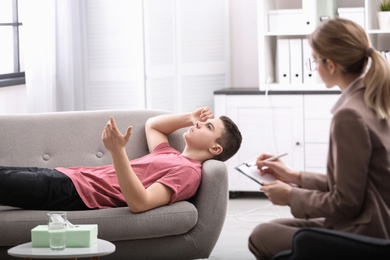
{"points": [[254, 174]]}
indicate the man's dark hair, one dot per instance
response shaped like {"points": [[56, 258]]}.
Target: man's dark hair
{"points": [[230, 139]]}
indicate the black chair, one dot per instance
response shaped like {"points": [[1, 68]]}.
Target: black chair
{"points": [[318, 244]]}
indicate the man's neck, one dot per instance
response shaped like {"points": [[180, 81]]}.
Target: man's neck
{"points": [[196, 155]]}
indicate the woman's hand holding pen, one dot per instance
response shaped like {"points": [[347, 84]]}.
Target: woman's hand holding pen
{"points": [[277, 191], [278, 169]]}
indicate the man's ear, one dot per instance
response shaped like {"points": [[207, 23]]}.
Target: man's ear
{"points": [[216, 149]]}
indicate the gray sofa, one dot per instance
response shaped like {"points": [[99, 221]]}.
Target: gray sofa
{"points": [[183, 230]]}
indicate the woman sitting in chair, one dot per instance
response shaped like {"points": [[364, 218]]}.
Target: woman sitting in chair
{"points": [[354, 194]]}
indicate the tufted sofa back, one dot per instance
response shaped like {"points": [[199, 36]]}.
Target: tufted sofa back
{"points": [[71, 138]]}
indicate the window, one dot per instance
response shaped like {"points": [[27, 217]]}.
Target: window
{"points": [[11, 55]]}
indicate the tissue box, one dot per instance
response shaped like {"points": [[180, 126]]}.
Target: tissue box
{"points": [[78, 236]]}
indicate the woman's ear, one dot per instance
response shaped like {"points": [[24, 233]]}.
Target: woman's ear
{"points": [[216, 149], [331, 66]]}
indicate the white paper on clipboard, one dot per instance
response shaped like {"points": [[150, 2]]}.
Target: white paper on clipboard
{"points": [[254, 174]]}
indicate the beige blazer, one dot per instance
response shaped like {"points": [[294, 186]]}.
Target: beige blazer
{"points": [[354, 195]]}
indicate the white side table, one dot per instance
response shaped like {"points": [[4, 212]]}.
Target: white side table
{"points": [[101, 248]]}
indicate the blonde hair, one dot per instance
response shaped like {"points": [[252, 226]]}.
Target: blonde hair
{"points": [[346, 43]]}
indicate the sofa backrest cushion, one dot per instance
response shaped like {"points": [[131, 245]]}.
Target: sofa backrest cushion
{"points": [[71, 138]]}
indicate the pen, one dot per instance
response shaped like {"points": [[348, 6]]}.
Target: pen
{"points": [[273, 158]]}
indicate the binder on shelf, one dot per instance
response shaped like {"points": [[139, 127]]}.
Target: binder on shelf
{"points": [[296, 64], [283, 60], [309, 77]]}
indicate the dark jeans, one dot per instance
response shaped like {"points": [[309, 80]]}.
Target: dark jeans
{"points": [[38, 188]]}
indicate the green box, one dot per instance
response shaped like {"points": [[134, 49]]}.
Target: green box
{"points": [[78, 236]]}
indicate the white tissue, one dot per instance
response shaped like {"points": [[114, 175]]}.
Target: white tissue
{"points": [[70, 225], [57, 218]]}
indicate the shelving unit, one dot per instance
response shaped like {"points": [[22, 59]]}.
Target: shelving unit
{"points": [[296, 19]]}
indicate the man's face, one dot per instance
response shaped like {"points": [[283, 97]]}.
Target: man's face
{"points": [[203, 135]]}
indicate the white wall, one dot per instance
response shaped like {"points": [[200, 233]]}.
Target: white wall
{"points": [[243, 57], [243, 44]]}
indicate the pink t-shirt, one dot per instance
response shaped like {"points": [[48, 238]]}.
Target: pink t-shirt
{"points": [[98, 187]]}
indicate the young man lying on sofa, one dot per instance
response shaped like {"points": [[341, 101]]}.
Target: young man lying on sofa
{"points": [[162, 177]]}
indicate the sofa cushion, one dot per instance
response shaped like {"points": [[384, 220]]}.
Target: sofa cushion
{"points": [[114, 224]]}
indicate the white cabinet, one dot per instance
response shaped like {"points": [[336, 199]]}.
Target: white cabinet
{"points": [[155, 54], [294, 123], [281, 21], [317, 117]]}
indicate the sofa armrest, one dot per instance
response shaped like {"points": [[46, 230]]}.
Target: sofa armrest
{"points": [[318, 243], [211, 202]]}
